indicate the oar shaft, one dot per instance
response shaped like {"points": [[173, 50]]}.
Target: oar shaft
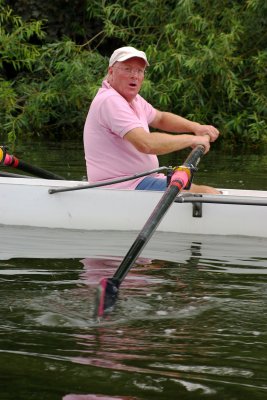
{"points": [[107, 290], [23, 166], [145, 234], [179, 180]]}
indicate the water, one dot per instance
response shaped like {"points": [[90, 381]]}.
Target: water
{"points": [[190, 322]]}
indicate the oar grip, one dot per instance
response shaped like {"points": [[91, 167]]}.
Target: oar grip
{"points": [[183, 175], [11, 161], [180, 177], [195, 156]]}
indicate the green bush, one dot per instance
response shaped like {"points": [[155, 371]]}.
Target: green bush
{"points": [[208, 63], [208, 59], [51, 85]]}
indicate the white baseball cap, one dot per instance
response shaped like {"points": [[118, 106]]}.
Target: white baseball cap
{"points": [[124, 53]]}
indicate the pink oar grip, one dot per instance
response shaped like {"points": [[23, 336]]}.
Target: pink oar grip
{"points": [[11, 160], [180, 179]]}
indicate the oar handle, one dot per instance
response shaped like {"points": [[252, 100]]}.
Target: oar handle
{"points": [[194, 157], [12, 161]]}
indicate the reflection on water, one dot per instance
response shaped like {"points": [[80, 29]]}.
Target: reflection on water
{"points": [[95, 397], [190, 321]]}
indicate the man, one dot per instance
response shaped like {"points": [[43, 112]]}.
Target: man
{"points": [[117, 140]]}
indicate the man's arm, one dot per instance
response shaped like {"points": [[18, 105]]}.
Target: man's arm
{"points": [[163, 143], [170, 122]]}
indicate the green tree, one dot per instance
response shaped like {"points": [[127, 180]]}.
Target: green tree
{"points": [[208, 58], [208, 63], [62, 17], [45, 88]]}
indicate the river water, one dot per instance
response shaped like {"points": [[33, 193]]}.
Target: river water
{"points": [[190, 322]]}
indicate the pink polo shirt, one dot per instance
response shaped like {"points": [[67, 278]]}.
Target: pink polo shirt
{"points": [[108, 156]]}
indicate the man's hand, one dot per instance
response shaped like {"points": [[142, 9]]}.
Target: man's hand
{"points": [[210, 130], [204, 140]]}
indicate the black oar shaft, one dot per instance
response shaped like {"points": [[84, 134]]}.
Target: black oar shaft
{"points": [[42, 173], [145, 234], [158, 213], [107, 290]]}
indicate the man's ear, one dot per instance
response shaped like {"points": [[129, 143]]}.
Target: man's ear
{"points": [[109, 74]]}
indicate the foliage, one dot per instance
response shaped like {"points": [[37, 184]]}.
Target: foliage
{"points": [[208, 59], [208, 63], [62, 17], [52, 85]]}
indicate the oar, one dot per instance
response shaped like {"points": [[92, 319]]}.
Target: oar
{"points": [[107, 290], [12, 161]]}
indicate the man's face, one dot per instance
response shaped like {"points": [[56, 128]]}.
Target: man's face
{"points": [[127, 77]]}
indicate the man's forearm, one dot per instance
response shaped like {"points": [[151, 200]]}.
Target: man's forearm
{"points": [[174, 123], [162, 143], [170, 122]]}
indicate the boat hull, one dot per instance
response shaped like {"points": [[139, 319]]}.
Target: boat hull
{"points": [[27, 202]]}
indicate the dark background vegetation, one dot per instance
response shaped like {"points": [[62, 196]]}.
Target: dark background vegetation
{"points": [[208, 62]]}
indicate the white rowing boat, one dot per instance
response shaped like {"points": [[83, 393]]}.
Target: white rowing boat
{"points": [[27, 202]]}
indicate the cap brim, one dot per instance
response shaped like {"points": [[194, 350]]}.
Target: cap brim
{"points": [[124, 58]]}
